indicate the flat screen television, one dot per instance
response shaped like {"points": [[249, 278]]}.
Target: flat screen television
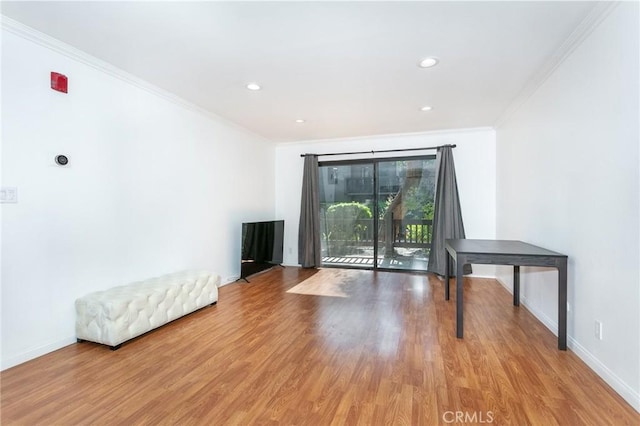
{"points": [[262, 245]]}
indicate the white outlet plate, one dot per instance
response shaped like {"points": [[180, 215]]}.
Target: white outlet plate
{"points": [[598, 330], [8, 194]]}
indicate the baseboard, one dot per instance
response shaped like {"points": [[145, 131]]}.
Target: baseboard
{"points": [[230, 280], [35, 353], [493, 277], [620, 386]]}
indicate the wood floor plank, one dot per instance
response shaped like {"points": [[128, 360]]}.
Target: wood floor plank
{"points": [[305, 347]]}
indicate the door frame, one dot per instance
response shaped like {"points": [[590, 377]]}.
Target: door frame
{"points": [[375, 162]]}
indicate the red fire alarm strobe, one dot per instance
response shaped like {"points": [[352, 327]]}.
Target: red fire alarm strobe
{"points": [[58, 82]]}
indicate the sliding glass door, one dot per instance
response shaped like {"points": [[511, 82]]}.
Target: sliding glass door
{"points": [[346, 214], [377, 213], [405, 189]]}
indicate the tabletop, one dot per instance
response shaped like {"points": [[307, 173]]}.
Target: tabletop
{"points": [[502, 247]]}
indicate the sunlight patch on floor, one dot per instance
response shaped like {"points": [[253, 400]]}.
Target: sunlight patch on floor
{"points": [[316, 286]]}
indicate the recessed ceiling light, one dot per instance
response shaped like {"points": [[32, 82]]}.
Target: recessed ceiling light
{"points": [[428, 62], [253, 86], [300, 121], [426, 108]]}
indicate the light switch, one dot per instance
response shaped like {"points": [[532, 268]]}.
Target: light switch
{"points": [[8, 194]]}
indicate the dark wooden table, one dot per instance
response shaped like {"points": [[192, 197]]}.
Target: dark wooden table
{"points": [[507, 252]]}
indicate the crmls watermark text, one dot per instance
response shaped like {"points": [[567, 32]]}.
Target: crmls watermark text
{"points": [[468, 417]]}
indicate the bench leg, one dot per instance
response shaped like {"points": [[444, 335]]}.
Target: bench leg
{"points": [[116, 347]]}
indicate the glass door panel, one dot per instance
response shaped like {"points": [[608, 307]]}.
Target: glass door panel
{"points": [[405, 191], [346, 214]]}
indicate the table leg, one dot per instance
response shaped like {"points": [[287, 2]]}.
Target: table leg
{"points": [[516, 285], [446, 275], [459, 282], [562, 304]]}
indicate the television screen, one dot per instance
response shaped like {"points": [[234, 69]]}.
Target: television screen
{"points": [[262, 246]]}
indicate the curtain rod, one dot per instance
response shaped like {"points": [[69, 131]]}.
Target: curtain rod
{"points": [[384, 150]]}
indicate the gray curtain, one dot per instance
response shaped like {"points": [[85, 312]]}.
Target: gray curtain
{"points": [[447, 217], [309, 255]]}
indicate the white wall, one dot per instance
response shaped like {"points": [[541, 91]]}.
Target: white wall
{"points": [[152, 187], [474, 158], [568, 180]]}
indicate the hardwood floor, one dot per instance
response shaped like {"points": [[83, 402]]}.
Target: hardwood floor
{"points": [[343, 347]]}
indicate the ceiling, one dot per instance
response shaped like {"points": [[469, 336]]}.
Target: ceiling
{"points": [[347, 68]]}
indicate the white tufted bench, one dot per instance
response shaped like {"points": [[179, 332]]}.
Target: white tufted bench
{"points": [[114, 316]]}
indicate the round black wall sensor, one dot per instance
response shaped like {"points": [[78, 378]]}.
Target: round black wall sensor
{"points": [[62, 160]]}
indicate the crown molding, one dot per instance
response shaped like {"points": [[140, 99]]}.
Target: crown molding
{"points": [[594, 18], [426, 133], [62, 48]]}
